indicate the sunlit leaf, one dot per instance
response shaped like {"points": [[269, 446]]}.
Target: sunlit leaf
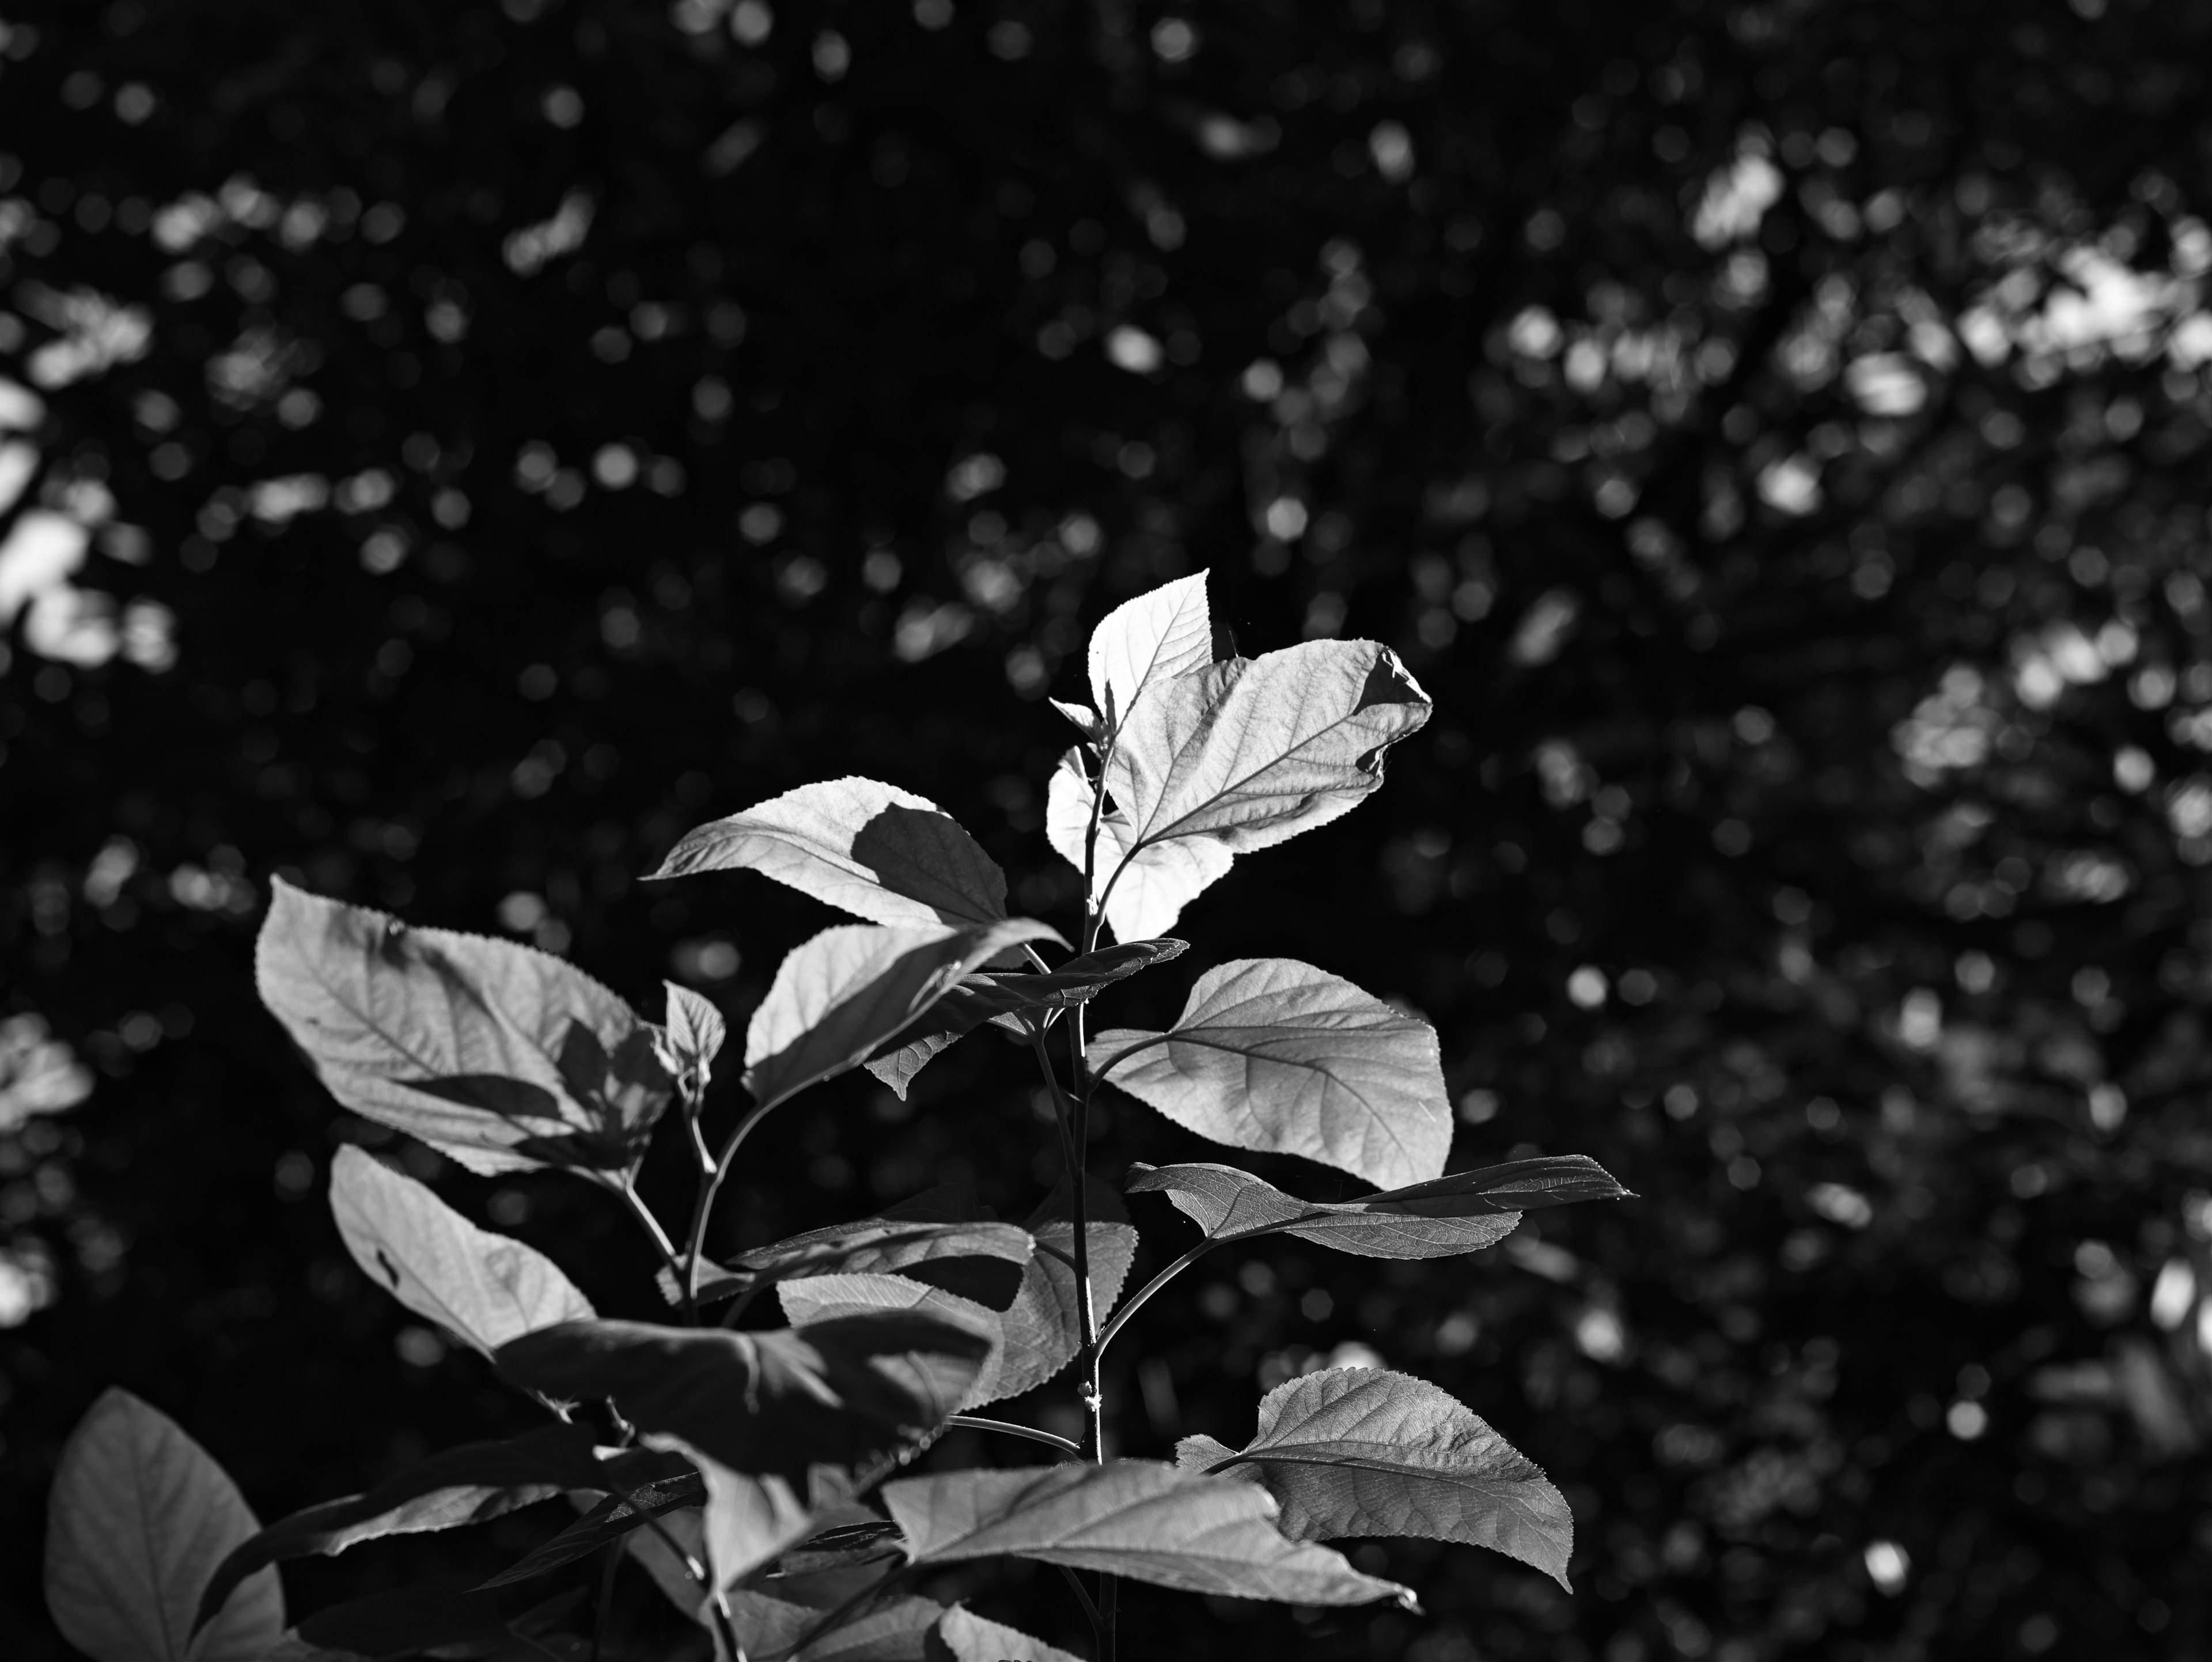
{"points": [[974, 1258], [872, 849], [1011, 999], [1087, 720], [471, 1484], [1151, 883], [693, 1037], [1140, 1519], [838, 997], [484, 1287], [139, 1518], [1152, 639], [1277, 1056], [964, 1636], [502, 1056], [1460, 1212], [1362, 1451]]}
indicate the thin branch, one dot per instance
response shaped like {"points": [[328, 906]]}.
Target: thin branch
{"points": [[1131, 1305], [627, 1189], [976, 1422], [1090, 1610]]}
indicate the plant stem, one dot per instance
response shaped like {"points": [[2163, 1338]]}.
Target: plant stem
{"points": [[1130, 1306], [1094, 1399], [1090, 1609], [710, 1184], [976, 1422], [627, 1189]]}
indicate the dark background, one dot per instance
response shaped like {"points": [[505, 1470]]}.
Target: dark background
{"points": [[1775, 435]]}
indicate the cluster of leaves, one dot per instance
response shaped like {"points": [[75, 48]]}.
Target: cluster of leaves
{"points": [[739, 1455]]}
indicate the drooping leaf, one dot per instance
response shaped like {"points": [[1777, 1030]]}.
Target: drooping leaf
{"points": [[826, 1298], [694, 1036], [838, 998], [486, 1288], [608, 1521], [1460, 1212], [964, 1636], [767, 1417], [471, 1484], [1042, 1330], [1275, 1055], [869, 848], [1363, 1450], [975, 1259], [1144, 887], [1152, 639], [500, 1056], [139, 1518], [1014, 1000], [1140, 1519]]}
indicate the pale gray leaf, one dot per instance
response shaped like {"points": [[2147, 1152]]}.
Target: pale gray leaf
{"points": [[695, 1032], [1460, 1212], [485, 1287], [1086, 719], [1142, 643], [1140, 1519], [503, 1056], [139, 1518], [975, 1258], [870, 849], [1255, 750], [964, 1636], [1044, 1329], [839, 996], [812, 1299], [896, 1631], [1144, 889], [1274, 1055], [1362, 1451]]}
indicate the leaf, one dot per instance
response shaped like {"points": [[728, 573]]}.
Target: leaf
{"points": [[973, 1258], [610, 1520], [1149, 886], [1462, 1212], [767, 1627], [1362, 1451], [502, 1056], [1086, 719], [471, 1484], [838, 997], [1274, 1055], [767, 1417], [872, 849], [1142, 1518], [139, 1518], [964, 1636], [485, 1287], [826, 1298], [1042, 1330], [1145, 641], [693, 1037], [1014, 1000]]}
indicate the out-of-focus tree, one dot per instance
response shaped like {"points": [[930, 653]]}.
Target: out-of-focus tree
{"points": [[444, 451]]}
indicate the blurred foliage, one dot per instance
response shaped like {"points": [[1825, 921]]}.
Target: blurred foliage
{"points": [[450, 450]]}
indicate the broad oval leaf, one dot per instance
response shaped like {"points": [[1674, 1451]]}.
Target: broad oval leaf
{"points": [[964, 1636], [485, 1287], [869, 848], [838, 998], [1142, 643], [1042, 1330], [1363, 1450], [1142, 1518], [471, 1484], [1274, 1055], [814, 1298], [1460, 1212], [139, 1519], [1145, 888], [693, 1037], [502, 1056], [1017, 1000]]}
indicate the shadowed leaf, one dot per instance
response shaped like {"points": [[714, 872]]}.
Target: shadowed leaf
{"points": [[500, 1056], [610, 1520], [139, 1519], [964, 1636], [1362, 1451], [978, 1260], [872, 849], [1462, 1212], [1274, 1055], [1136, 1518]]}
